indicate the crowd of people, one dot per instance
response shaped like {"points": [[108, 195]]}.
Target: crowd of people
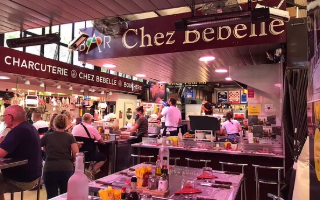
{"points": [[54, 143]]}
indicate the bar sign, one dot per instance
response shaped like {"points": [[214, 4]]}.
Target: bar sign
{"points": [[250, 93]]}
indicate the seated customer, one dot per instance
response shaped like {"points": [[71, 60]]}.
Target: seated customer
{"points": [[21, 143], [38, 123], [61, 149], [87, 134]]}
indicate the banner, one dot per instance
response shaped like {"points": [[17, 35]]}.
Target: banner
{"points": [[234, 97], [158, 36], [17, 62]]}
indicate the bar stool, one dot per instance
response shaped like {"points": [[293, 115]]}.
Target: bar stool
{"points": [[141, 156], [38, 191], [274, 197], [175, 160], [243, 183], [264, 181], [197, 160]]}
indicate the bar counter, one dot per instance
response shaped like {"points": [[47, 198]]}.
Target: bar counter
{"points": [[230, 152], [248, 157]]}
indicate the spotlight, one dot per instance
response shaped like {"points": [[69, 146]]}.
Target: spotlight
{"points": [[27, 82], [70, 88], [82, 90], [42, 84], [229, 79], [102, 92], [59, 86], [110, 93]]}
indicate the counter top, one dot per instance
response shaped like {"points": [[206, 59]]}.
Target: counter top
{"points": [[245, 153]]}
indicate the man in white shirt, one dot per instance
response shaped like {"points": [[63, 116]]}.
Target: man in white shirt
{"points": [[38, 123], [87, 133], [172, 117]]}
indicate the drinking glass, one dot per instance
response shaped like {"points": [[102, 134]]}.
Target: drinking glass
{"points": [[207, 170], [187, 182]]}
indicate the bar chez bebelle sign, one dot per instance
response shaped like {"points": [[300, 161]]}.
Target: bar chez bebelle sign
{"points": [[13, 61], [158, 35]]}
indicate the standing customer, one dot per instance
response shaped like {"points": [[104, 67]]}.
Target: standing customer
{"points": [[231, 127], [141, 125], [21, 143], [61, 149], [70, 125], [172, 117], [88, 134]]}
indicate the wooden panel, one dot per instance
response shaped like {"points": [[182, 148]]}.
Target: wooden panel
{"points": [[146, 5], [29, 4], [53, 10], [163, 4], [117, 8], [177, 3], [5, 16], [24, 13], [99, 7], [130, 5], [76, 9], [82, 10]]}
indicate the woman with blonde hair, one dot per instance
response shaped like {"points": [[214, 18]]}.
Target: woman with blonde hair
{"points": [[69, 121], [61, 149]]}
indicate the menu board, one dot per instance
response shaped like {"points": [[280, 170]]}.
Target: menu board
{"points": [[234, 97], [222, 97]]}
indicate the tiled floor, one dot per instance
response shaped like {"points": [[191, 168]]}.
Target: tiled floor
{"points": [[28, 195]]}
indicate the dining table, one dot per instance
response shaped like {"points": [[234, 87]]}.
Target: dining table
{"points": [[211, 189]]}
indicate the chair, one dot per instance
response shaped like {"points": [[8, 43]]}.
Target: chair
{"points": [[243, 183], [274, 197], [38, 191], [197, 160], [264, 181], [175, 160], [141, 156]]}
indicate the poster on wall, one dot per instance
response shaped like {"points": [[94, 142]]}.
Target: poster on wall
{"points": [[244, 97], [222, 97], [157, 92], [234, 97], [268, 107], [254, 109], [250, 93], [189, 93], [129, 113]]}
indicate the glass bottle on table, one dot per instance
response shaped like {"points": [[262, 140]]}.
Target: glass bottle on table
{"points": [[78, 184], [158, 167], [163, 151], [133, 195]]}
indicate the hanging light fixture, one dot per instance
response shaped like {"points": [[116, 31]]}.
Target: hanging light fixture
{"points": [[42, 84], [59, 86], [102, 92], [82, 90], [110, 93], [70, 88]]}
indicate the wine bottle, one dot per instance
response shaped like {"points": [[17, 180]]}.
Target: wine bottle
{"points": [[133, 195], [78, 184]]}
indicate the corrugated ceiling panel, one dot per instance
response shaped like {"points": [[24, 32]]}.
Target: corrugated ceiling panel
{"points": [[116, 7], [100, 8], [130, 5], [146, 5]]}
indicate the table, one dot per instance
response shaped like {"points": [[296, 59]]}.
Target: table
{"points": [[8, 162], [64, 197], [177, 174]]}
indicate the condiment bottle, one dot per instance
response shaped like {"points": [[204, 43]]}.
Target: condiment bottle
{"points": [[133, 195], [158, 167], [163, 182]]}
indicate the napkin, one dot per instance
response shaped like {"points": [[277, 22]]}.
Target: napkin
{"points": [[188, 189], [206, 175]]}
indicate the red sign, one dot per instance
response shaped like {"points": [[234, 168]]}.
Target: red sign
{"points": [[158, 36], [250, 93], [17, 62]]}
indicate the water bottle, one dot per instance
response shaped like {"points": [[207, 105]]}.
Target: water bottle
{"points": [[163, 151], [78, 185]]}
